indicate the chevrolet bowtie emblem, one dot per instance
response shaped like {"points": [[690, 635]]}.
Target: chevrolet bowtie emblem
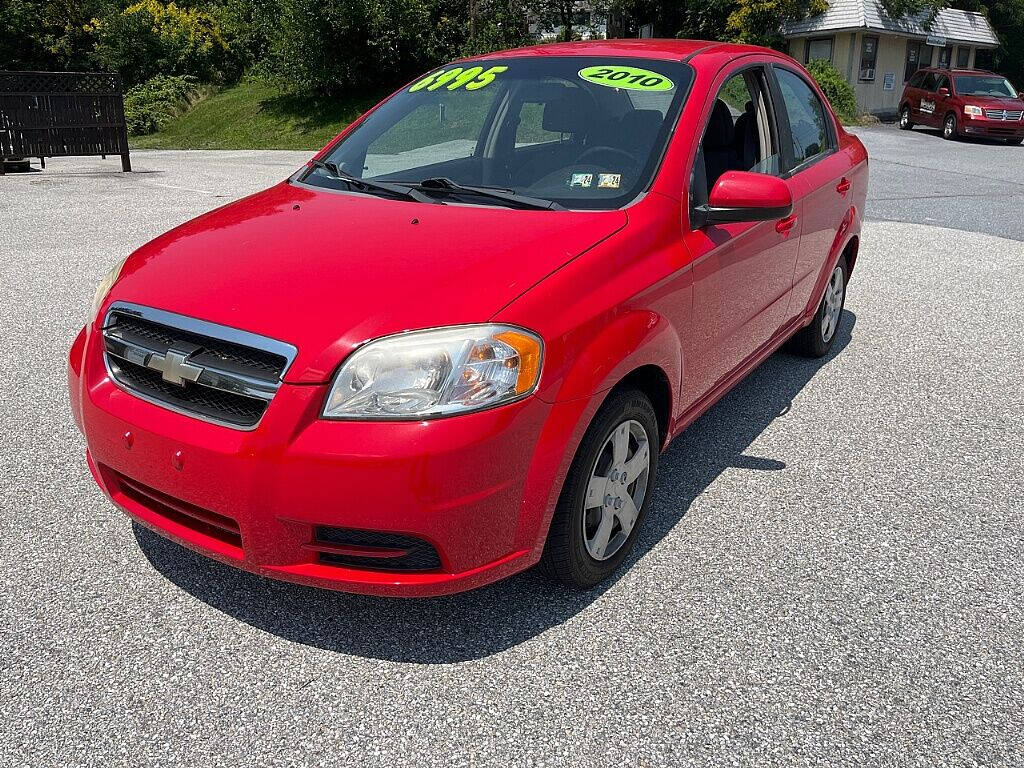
{"points": [[174, 366]]}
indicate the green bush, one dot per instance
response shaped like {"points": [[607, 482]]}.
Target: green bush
{"points": [[150, 38], [149, 106], [839, 92]]}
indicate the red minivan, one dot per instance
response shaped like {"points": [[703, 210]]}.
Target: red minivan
{"points": [[963, 102], [454, 344]]}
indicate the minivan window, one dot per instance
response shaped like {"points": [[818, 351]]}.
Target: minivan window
{"points": [[984, 85], [808, 124], [584, 132]]}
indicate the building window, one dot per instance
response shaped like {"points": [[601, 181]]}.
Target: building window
{"points": [[918, 55], [818, 48], [868, 55], [945, 57], [963, 56]]}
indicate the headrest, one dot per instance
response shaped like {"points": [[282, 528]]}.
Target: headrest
{"points": [[749, 107], [720, 130], [568, 113]]}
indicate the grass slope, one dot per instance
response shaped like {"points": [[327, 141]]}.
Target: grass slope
{"points": [[257, 115]]}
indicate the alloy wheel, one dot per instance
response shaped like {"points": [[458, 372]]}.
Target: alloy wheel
{"points": [[904, 117], [616, 489], [833, 304], [949, 127]]}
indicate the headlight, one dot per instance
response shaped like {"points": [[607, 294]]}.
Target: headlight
{"points": [[104, 287], [972, 110], [440, 372]]}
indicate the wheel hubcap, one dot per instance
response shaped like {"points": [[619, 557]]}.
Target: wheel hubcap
{"points": [[903, 117], [833, 305], [949, 126], [616, 489]]}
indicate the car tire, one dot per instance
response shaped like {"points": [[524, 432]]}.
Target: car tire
{"points": [[950, 131], [816, 339], [20, 166], [906, 123], [1018, 140], [583, 518]]}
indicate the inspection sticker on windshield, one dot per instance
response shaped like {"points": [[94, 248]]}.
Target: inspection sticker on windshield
{"points": [[631, 78], [468, 78], [609, 180], [581, 180]]}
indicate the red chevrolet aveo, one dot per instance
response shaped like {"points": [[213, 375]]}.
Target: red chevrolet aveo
{"points": [[454, 344]]}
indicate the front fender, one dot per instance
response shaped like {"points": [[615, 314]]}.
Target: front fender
{"points": [[636, 339]]}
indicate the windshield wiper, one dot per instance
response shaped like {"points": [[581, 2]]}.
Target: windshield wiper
{"points": [[444, 184], [365, 185]]}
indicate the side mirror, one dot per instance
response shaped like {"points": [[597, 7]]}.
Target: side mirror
{"points": [[744, 196], [943, 92]]}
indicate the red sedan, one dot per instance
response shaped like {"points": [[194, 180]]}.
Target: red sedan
{"points": [[454, 344]]}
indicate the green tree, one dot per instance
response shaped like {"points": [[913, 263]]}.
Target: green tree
{"points": [[149, 38], [760, 21], [48, 34]]}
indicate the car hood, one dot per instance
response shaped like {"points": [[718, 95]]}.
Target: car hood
{"points": [[994, 102], [326, 271]]}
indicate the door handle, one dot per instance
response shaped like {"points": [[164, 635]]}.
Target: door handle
{"points": [[784, 225], [844, 186]]}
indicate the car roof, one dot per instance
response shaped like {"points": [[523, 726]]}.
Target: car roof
{"points": [[647, 48], [947, 71]]}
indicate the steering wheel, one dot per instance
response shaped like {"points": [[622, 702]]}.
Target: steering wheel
{"points": [[608, 151]]}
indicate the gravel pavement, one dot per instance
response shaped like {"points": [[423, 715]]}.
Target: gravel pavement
{"points": [[831, 573]]}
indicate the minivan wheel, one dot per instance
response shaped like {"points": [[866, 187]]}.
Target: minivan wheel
{"points": [[606, 493], [1018, 140], [817, 338], [949, 127], [905, 122]]}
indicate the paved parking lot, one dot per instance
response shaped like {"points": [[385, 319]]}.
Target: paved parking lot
{"points": [[917, 176], [831, 574]]}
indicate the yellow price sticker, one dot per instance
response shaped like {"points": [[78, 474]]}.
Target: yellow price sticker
{"points": [[631, 78], [468, 78]]}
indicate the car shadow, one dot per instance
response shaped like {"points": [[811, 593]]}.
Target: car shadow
{"points": [[485, 621], [984, 141]]}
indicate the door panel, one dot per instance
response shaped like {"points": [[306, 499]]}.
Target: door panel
{"points": [[742, 283], [742, 272], [824, 208]]}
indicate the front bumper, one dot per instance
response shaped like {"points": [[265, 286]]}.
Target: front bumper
{"points": [[993, 129], [478, 488]]}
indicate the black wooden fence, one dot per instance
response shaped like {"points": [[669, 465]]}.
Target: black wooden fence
{"points": [[56, 114]]}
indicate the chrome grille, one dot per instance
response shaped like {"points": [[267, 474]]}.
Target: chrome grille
{"points": [[201, 369], [1004, 114]]}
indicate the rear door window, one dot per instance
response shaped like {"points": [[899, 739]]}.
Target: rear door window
{"points": [[810, 134]]}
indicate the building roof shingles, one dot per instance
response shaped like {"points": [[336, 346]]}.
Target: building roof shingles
{"points": [[954, 25]]}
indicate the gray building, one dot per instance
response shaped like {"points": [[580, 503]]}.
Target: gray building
{"points": [[877, 54]]}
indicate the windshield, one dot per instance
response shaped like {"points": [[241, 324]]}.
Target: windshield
{"points": [[582, 132], [984, 85]]}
